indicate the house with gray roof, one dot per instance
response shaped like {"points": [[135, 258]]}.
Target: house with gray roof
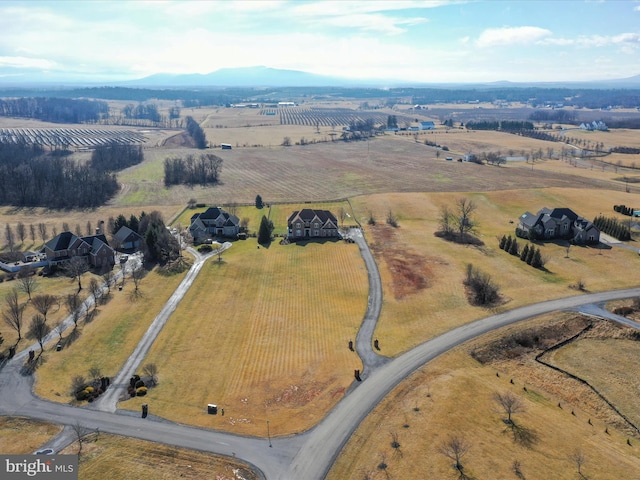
{"points": [[127, 239], [557, 223], [95, 249], [309, 223], [214, 222]]}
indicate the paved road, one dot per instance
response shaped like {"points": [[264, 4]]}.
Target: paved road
{"points": [[307, 456]]}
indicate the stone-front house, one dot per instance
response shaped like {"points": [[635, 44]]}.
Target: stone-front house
{"points": [[559, 223], [213, 222], [309, 223], [94, 248]]}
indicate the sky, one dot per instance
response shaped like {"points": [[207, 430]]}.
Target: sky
{"points": [[411, 41]]}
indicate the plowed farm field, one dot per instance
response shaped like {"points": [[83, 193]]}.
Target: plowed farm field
{"points": [[264, 335]]}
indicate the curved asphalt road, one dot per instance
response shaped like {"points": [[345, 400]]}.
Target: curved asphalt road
{"points": [[307, 456]]}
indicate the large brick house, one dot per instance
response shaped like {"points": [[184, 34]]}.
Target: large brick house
{"points": [[559, 223], [309, 223], [213, 222], [94, 248]]}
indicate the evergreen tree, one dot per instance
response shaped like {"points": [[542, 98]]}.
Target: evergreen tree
{"points": [[536, 262], [513, 248], [259, 203], [530, 255], [133, 223], [120, 222], [525, 252], [264, 233], [507, 244], [503, 242]]}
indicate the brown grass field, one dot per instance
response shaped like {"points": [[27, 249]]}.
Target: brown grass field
{"points": [[23, 436], [107, 340], [280, 353], [125, 457], [454, 395], [422, 274]]}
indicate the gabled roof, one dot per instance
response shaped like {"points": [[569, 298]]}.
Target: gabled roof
{"points": [[124, 233], [559, 213], [213, 213], [61, 241], [308, 214], [528, 219]]}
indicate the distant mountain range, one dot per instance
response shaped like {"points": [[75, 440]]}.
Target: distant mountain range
{"points": [[261, 76]]}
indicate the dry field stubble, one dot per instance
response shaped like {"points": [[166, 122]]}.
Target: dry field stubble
{"points": [[20, 436], [263, 335], [454, 394], [330, 171], [106, 341], [110, 456], [422, 274]]}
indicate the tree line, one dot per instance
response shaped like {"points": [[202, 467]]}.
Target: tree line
{"points": [[196, 133], [113, 157], [504, 125], [203, 169], [30, 178], [58, 110]]}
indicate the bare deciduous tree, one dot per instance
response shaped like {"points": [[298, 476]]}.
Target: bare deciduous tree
{"points": [[12, 315], [95, 372], [464, 222], [21, 230], [38, 330], [151, 369], [42, 230], [455, 448], [80, 432], [579, 459], [27, 281], [96, 292], [32, 233], [45, 303], [9, 237], [75, 268], [73, 304], [510, 404], [109, 278]]}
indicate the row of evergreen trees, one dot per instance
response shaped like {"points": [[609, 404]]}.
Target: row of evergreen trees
{"points": [[530, 253], [624, 210], [504, 125], [613, 227]]}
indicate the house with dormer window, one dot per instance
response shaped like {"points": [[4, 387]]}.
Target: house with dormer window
{"points": [[559, 223], [310, 223], [93, 248], [214, 222]]}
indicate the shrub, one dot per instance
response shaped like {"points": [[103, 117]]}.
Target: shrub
{"points": [[139, 384], [205, 248], [141, 391], [89, 389], [484, 289]]}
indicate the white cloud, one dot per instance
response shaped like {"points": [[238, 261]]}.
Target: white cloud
{"points": [[511, 36], [628, 40], [375, 22], [25, 62]]}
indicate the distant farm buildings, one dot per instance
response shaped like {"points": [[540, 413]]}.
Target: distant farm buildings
{"points": [[595, 125]]}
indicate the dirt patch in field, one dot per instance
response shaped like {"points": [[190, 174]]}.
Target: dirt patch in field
{"points": [[411, 272]]}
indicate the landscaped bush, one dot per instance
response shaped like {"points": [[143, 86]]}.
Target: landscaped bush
{"points": [[141, 391], [205, 248], [139, 384]]}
